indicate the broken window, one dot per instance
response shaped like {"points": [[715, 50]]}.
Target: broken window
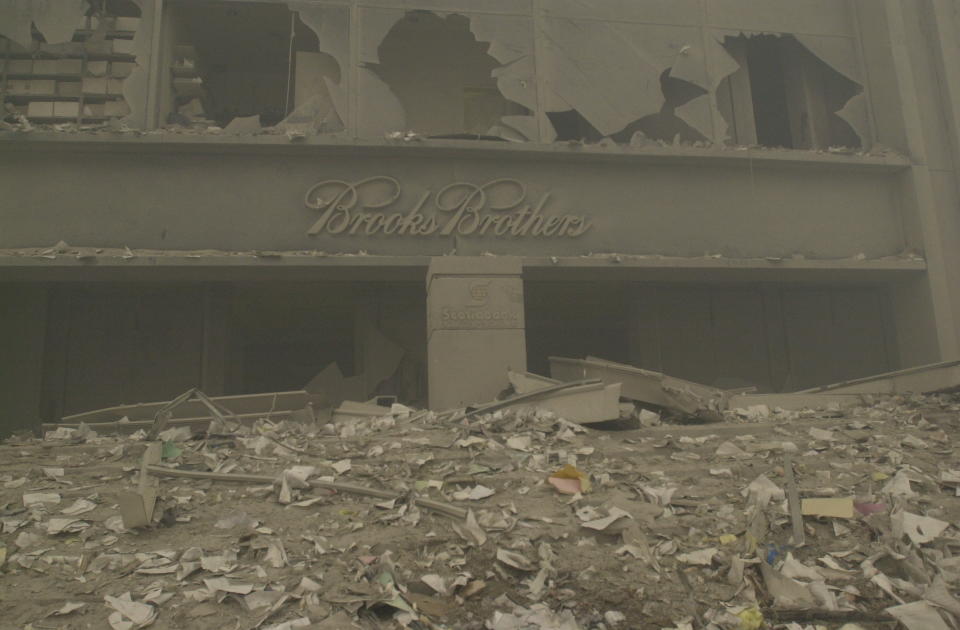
{"points": [[252, 63], [435, 76], [570, 125], [665, 125], [66, 61], [784, 96]]}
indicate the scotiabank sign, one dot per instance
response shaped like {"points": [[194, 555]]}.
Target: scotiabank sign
{"points": [[499, 208]]}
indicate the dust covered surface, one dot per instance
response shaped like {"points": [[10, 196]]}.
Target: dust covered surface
{"points": [[675, 526]]}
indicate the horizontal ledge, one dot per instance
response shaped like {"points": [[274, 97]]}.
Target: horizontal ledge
{"points": [[711, 262], [113, 258], [333, 144]]}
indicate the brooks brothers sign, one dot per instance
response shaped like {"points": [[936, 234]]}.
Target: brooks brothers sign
{"points": [[497, 208]]}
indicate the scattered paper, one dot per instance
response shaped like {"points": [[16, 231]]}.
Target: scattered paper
{"points": [[35, 499], [128, 611], [918, 616], [786, 593], [519, 442], [474, 494], [762, 491], [920, 529], [601, 524], [899, 486], [67, 608], [729, 449], [515, 560], [80, 506], [703, 557]]}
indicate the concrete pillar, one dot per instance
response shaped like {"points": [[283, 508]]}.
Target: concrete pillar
{"points": [[475, 328], [929, 187]]}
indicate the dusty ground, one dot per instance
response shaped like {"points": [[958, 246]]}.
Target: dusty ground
{"points": [[348, 561]]}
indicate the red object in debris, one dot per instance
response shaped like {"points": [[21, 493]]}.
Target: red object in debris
{"points": [[870, 508]]}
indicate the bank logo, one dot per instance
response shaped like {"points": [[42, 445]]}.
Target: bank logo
{"points": [[479, 294]]}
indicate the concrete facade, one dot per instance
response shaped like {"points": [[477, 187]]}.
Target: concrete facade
{"points": [[615, 148]]}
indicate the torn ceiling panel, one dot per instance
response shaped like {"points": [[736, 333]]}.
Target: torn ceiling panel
{"points": [[55, 19], [331, 24]]}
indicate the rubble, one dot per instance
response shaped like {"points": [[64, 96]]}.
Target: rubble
{"points": [[506, 515]]}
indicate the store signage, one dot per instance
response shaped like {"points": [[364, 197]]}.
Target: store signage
{"points": [[498, 208], [488, 303]]}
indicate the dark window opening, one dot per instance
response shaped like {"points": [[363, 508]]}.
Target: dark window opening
{"points": [[784, 96], [765, 65], [575, 320], [570, 125], [443, 77], [238, 59], [117, 8], [281, 341]]}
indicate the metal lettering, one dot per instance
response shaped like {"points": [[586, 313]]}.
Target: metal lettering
{"points": [[497, 208]]}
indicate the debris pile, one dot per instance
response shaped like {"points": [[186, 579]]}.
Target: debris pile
{"points": [[503, 517]]}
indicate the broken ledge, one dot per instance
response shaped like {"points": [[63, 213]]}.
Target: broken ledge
{"points": [[112, 258], [278, 144]]}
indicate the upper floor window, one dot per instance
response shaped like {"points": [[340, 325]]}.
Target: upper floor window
{"points": [[224, 61], [67, 63], [784, 96]]}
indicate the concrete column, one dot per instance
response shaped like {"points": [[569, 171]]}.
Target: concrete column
{"points": [[475, 328], [909, 101], [929, 187]]}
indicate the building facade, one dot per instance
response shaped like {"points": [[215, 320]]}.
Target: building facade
{"points": [[234, 195]]}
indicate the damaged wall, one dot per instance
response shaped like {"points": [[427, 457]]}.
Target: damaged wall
{"points": [[586, 71], [75, 61], [571, 70]]}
